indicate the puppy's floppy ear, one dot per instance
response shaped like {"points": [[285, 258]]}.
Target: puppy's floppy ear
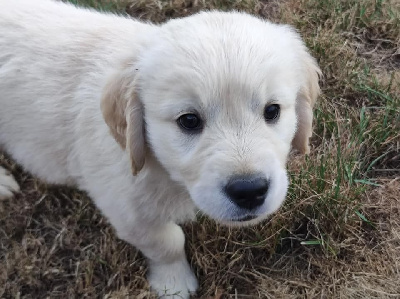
{"points": [[123, 113], [305, 101]]}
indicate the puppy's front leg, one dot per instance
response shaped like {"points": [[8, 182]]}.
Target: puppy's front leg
{"points": [[8, 185], [170, 274]]}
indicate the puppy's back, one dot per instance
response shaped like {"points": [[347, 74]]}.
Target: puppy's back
{"points": [[54, 60]]}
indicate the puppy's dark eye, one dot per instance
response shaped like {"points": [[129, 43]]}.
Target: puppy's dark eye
{"points": [[190, 122], [271, 112]]}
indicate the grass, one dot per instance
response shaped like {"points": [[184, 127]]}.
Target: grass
{"points": [[338, 234]]}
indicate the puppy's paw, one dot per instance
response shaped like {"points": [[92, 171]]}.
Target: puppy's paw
{"points": [[8, 185], [172, 280]]}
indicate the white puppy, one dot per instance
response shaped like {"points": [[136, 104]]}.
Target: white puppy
{"points": [[203, 110]]}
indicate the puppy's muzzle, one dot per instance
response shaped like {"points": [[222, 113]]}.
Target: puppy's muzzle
{"points": [[247, 192]]}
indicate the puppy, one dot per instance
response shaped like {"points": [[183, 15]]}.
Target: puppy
{"points": [[155, 122]]}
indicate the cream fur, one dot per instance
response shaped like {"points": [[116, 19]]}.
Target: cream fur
{"points": [[88, 98], [8, 185]]}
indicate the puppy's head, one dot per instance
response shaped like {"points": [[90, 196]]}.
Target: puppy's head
{"points": [[224, 97]]}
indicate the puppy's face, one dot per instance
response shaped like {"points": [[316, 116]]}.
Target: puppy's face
{"points": [[221, 105], [226, 142]]}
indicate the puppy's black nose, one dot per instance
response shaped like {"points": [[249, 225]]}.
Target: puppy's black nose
{"points": [[248, 192]]}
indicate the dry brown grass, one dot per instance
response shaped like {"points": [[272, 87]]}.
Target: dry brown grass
{"points": [[338, 235]]}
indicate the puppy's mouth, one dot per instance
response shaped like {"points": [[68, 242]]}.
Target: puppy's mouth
{"points": [[245, 218]]}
